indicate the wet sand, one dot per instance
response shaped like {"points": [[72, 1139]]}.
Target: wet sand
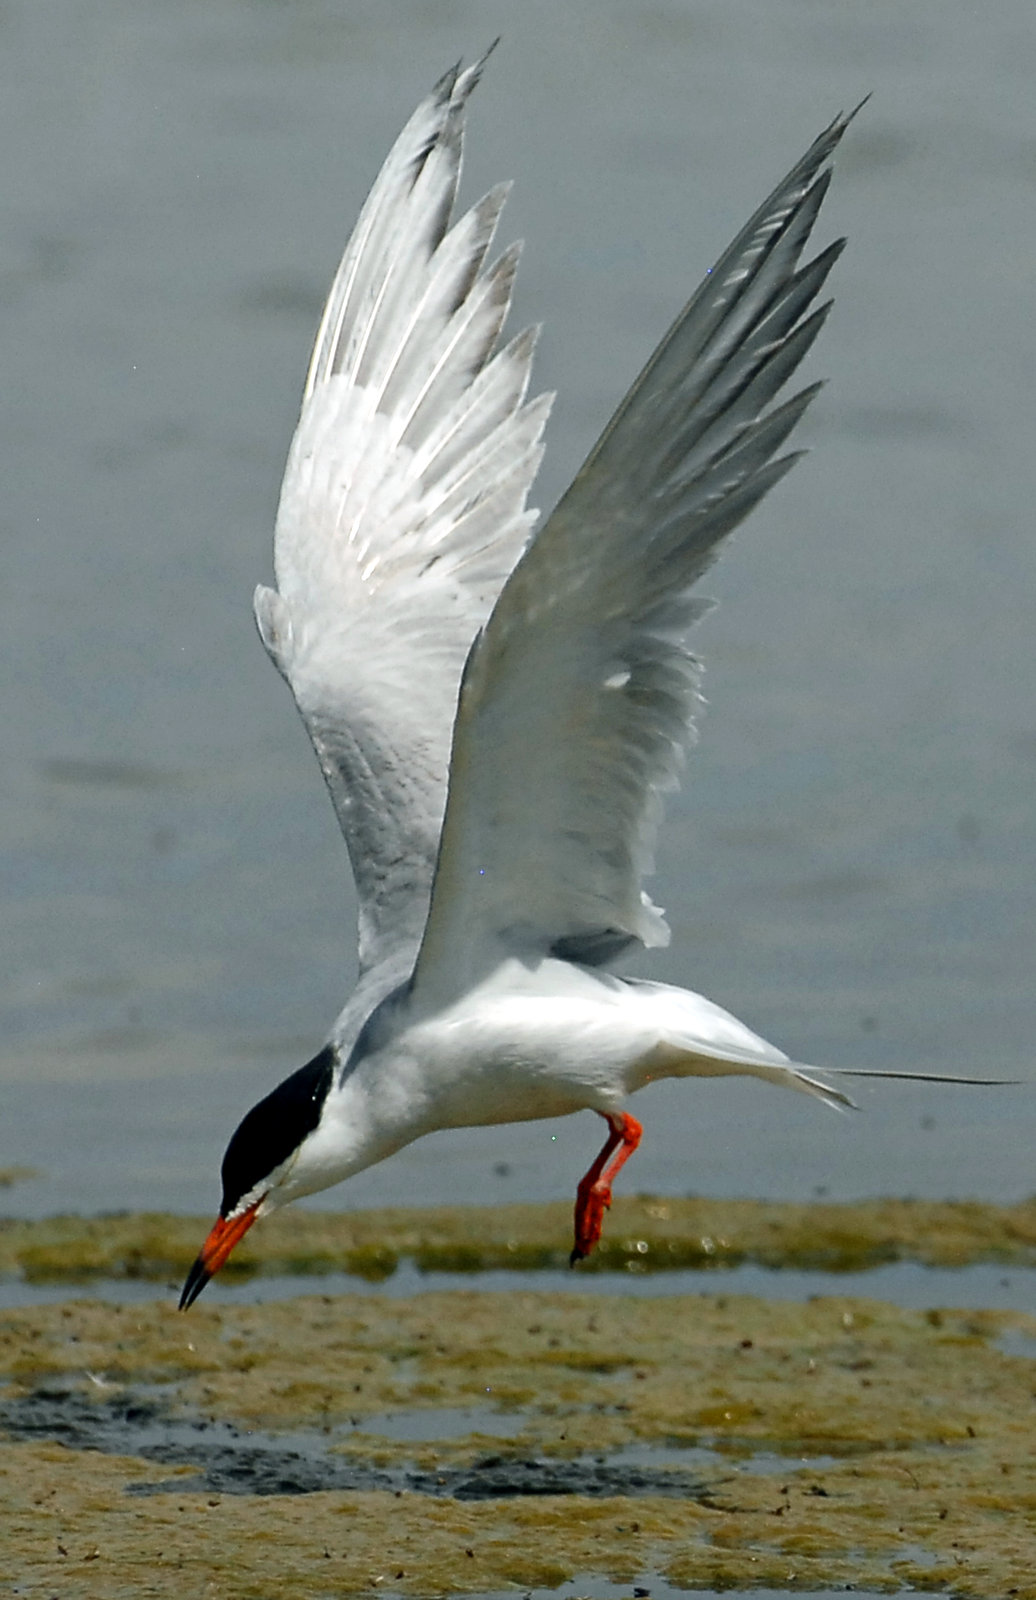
{"points": [[462, 1442]]}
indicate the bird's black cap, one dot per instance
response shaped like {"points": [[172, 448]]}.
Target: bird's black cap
{"points": [[276, 1127]]}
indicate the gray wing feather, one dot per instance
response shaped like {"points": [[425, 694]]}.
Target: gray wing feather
{"points": [[578, 699]]}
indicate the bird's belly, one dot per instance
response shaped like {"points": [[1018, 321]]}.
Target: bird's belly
{"points": [[522, 1059]]}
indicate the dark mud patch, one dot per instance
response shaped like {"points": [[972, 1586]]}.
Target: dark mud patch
{"points": [[232, 1460]]}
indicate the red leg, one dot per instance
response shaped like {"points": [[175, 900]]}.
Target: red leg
{"points": [[594, 1195]]}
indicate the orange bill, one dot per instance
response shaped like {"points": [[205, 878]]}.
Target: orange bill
{"points": [[225, 1234]]}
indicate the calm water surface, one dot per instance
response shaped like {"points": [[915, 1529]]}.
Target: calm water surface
{"points": [[851, 864]]}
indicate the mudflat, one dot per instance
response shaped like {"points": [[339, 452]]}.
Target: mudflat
{"points": [[465, 1442]]}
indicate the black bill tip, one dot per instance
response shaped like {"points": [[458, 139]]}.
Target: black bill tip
{"points": [[196, 1280], [224, 1234]]}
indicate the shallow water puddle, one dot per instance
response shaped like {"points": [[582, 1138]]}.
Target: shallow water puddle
{"points": [[421, 1426], [1017, 1342]]}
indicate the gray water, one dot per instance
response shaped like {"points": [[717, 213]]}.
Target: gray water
{"points": [[902, 1283], [850, 866]]}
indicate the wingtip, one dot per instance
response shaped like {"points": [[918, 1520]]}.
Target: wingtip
{"points": [[835, 130], [458, 81], [466, 78], [840, 122], [823, 148], [848, 116], [443, 88]]}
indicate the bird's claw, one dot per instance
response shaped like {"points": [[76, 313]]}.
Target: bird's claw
{"points": [[590, 1208]]}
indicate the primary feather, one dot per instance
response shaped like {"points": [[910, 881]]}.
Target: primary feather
{"points": [[402, 512], [578, 700]]}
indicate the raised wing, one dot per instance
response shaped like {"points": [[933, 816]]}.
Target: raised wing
{"points": [[578, 700], [402, 510]]}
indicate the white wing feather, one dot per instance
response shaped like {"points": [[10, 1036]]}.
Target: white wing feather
{"points": [[578, 700], [402, 511]]}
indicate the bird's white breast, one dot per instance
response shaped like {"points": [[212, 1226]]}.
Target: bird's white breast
{"points": [[527, 1043]]}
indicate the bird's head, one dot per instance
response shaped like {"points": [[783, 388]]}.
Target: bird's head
{"points": [[265, 1165]]}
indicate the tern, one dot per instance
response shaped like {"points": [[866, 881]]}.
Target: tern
{"points": [[498, 712]]}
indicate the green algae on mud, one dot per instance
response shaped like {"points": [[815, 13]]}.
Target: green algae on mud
{"points": [[643, 1234], [845, 1441]]}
